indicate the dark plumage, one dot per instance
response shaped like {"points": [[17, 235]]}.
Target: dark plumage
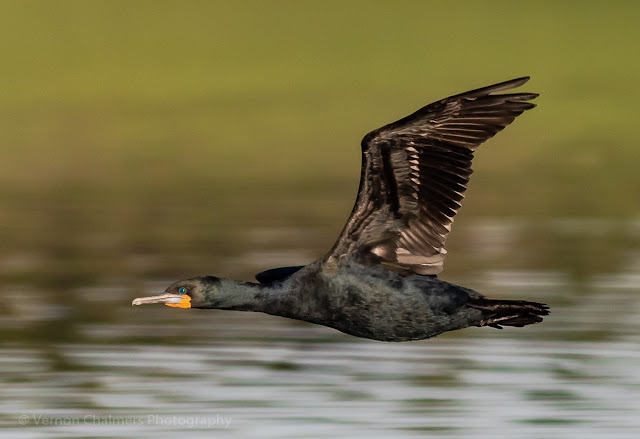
{"points": [[379, 279]]}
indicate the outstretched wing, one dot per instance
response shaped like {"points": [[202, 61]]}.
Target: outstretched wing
{"points": [[415, 173]]}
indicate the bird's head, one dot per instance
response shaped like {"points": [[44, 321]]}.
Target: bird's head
{"points": [[190, 293]]}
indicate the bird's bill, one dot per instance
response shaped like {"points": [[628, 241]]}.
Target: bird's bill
{"points": [[173, 300]]}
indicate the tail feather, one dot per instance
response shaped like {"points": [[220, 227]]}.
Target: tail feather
{"points": [[499, 313]]}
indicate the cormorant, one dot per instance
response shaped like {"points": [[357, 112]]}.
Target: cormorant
{"points": [[379, 279]]}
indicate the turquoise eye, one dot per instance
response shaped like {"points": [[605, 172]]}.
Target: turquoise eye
{"points": [[182, 290]]}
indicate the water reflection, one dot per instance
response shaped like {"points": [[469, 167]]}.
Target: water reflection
{"points": [[78, 361]]}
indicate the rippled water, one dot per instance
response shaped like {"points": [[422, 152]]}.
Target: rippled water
{"points": [[158, 372]]}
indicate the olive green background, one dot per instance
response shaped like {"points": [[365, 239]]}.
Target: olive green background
{"points": [[164, 132]]}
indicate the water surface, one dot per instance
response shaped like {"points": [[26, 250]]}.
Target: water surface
{"points": [[119, 371]]}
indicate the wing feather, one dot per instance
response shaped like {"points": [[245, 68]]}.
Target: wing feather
{"points": [[414, 176]]}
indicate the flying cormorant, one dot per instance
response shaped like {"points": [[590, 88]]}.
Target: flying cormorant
{"points": [[379, 279]]}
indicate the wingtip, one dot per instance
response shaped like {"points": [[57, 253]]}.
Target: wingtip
{"points": [[516, 82], [489, 90], [522, 79], [512, 83]]}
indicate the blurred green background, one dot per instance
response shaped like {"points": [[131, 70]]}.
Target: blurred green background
{"points": [[156, 139]]}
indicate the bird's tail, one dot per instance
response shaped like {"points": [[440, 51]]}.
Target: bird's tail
{"points": [[498, 313]]}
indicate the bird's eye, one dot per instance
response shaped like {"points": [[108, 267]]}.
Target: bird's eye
{"points": [[182, 290]]}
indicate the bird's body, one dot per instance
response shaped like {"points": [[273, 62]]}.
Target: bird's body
{"points": [[363, 301], [371, 302], [379, 279]]}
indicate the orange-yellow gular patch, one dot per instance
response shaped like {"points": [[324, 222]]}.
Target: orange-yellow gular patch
{"points": [[185, 302]]}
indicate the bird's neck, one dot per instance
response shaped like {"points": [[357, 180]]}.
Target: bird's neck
{"points": [[277, 298], [232, 295]]}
